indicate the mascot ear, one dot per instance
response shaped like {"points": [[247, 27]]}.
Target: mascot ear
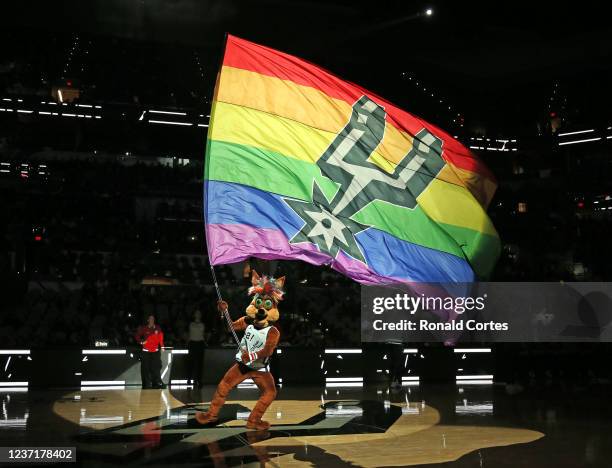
{"points": [[280, 282], [254, 278]]}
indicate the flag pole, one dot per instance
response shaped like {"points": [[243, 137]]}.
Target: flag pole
{"points": [[225, 312]]}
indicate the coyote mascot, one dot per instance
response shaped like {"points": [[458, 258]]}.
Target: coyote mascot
{"points": [[257, 345]]}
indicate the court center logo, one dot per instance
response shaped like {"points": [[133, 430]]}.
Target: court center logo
{"points": [[175, 438], [329, 224]]}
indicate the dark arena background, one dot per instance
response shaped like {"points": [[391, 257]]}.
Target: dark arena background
{"points": [[104, 114]]}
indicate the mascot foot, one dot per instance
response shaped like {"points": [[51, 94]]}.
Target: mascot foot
{"points": [[205, 418], [258, 425]]}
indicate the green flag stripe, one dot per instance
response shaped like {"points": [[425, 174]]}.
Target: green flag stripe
{"points": [[276, 173]]}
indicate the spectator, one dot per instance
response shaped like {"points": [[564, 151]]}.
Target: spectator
{"points": [[196, 349], [151, 338]]}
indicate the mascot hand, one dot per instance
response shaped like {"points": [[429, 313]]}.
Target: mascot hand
{"points": [[221, 307], [248, 357]]}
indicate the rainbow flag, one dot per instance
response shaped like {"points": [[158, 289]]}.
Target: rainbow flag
{"points": [[303, 165]]}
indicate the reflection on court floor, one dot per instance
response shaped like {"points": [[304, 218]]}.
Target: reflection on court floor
{"points": [[333, 426]]}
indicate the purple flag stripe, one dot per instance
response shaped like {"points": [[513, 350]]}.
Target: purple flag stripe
{"points": [[237, 242]]}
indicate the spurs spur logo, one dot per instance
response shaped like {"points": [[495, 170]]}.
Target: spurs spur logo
{"points": [[330, 224]]}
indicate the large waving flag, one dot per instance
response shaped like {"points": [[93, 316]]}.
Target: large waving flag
{"points": [[302, 165]]}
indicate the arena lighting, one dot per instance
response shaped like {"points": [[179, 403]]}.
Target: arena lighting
{"points": [[185, 124], [102, 382], [341, 351], [179, 381], [23, 111], [343, 384], [16, 422], [103, 351], [410, 350], [474, 382], [414, 378], [579, 141], [169, 363], [429, 12], [202, 125], [167, 112], [165, 398], [409, 410], [344, 379], [13, 390], [180, 351], [14, 351], [474, 409], [576, 133], [341, 411], [472, 350], [472, 377], [13, 384]]}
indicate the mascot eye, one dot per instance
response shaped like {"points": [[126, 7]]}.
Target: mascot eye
{"points": [[268, 304], [258, 302]]}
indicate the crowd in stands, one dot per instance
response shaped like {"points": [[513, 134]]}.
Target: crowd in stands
{"points": [[107, 304], [87, 232]]}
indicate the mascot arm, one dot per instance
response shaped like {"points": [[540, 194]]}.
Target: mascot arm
{"points": [[240, 324]]}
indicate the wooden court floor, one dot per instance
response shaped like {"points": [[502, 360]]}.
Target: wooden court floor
{"points": [[369, 427]]}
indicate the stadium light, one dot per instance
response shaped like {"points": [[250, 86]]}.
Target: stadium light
{"points": [[429, 12]]}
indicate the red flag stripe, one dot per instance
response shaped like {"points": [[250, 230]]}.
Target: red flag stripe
{"points": [[246, 55]]}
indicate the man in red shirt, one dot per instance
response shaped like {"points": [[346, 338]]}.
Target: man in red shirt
{"points": [[151, 338]]}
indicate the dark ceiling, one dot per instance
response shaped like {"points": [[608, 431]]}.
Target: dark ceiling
{"points": [[494, 59]]}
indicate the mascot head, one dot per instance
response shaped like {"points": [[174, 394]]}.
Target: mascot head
{"points": [[267, 293]]}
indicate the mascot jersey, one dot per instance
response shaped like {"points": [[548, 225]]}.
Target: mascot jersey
{"points": [[253, 342], [257, 343]]}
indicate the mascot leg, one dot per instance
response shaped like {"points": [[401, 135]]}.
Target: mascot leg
{"points": [[265, 383], [231, 378]]}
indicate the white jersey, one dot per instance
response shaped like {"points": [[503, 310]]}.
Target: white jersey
{"points": [[253, 341]]}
